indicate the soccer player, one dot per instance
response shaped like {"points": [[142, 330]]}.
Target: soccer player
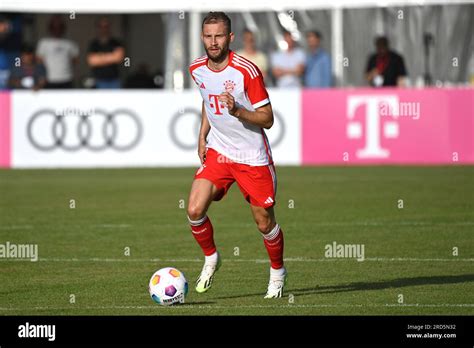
{"points": [[232, 148]]}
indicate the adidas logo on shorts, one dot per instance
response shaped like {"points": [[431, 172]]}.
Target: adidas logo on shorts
{"points": [[269, 200]]}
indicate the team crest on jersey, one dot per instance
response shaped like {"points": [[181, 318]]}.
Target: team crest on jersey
{"points": [[229, 86]]}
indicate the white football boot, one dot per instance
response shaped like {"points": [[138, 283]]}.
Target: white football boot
{"points": [[276, 285], [204, 281]]}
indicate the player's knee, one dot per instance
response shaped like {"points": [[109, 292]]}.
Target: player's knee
{"points": [[265, 225], [196, 212]]}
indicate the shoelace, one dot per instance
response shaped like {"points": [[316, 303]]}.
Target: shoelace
{"points": [[209, 269]]}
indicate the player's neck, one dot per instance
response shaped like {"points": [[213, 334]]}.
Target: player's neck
{"points": [[219, 65]]}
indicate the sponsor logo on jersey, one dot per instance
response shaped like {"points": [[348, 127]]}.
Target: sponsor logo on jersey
{"points": [[214, 103]]}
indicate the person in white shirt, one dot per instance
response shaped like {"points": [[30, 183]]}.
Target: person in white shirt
{"points": [[288, 65], [58, 55]]}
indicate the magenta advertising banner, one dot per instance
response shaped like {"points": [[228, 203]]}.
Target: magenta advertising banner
{"points": [[388, 126], [312, 127], [5, 130]]}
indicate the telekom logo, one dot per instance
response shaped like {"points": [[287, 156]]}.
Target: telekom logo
{"points": [[214, 103], [375, 129]]}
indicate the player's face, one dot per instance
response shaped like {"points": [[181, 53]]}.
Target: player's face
{"points": [[216, 41]]}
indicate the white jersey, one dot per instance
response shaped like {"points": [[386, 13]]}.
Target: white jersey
{"points": [[239, 141]]}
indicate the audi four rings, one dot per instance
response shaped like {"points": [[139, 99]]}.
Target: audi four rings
{"points": [[100, 130], [72, 132]]}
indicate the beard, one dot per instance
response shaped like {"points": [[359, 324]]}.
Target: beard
{"points": [[218, 56]]}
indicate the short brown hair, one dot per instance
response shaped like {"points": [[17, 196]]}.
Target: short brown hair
{"points": [[216, 17]]}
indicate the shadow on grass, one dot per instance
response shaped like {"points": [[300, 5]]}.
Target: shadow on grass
{"points": [[380, 285]]}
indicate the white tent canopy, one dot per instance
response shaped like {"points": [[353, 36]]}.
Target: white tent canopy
{"points": [[143, 6]]}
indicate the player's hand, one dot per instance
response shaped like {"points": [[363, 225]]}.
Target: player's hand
{"points": [[202, 151], [228, 100]]}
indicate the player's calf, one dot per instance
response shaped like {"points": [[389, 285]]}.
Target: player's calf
{"points": [[274, 244], [203, 233]]}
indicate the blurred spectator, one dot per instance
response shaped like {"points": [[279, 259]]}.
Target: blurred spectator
{"points": [[28, 74], [105, 55], [318, 63], [58, 55], [385, 67], [142, 78], [251, 53], [288, 65], [10, 45]]}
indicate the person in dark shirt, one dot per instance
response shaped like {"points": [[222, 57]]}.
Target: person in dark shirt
{"points": [[29, 74], [105, 56], [385, 67]]}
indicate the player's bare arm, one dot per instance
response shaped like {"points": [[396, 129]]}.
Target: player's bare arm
{"points": [[203, 132], [261, 117]]}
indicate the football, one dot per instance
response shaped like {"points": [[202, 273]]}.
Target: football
{"points": [[168, 286]]}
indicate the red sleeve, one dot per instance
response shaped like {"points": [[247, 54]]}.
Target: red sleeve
{"points": [[256, 91], [194, 65]]}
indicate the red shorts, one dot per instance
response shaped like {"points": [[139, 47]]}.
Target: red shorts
{"points": [[257, 183]]}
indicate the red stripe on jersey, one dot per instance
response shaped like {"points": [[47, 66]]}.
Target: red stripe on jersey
{"points": [[196, 64], [247, 63], [245, 60], [243, 67], [240, 61], [198, 59], [254, 85], [270, 159]]}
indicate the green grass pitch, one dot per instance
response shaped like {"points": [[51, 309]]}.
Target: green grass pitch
{"points": [[408, 250]]}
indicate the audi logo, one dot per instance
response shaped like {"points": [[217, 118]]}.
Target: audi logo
{"points": [[120, 130], [191, 144]]}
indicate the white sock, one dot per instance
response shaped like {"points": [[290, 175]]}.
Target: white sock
{"points": [[277, 272], [212, 258]]}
